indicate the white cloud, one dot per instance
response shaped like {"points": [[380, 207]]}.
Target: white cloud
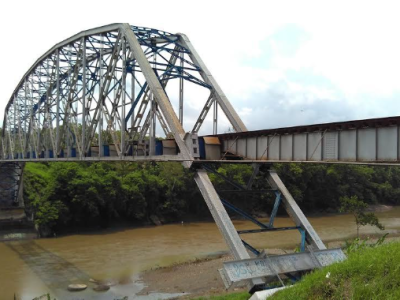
{"points": [[353, 46]]}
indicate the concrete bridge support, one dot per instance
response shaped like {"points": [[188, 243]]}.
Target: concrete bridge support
{"points": [[11, 185]]}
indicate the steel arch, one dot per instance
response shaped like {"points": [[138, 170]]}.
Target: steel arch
{"points": [[106, 85]]}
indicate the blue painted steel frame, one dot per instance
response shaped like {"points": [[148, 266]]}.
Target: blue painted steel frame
{"points": [[275, 209], [264, 227]]}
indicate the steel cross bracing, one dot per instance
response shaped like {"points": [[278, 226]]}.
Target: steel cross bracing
{"points": [[103, 93]]}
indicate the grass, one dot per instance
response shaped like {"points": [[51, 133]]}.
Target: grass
{"points": [[370, 273], [233, 296]]}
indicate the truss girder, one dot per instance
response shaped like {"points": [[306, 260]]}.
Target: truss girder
{"points": [[94, 89]]}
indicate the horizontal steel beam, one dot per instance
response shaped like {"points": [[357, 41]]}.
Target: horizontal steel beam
{"points": [[246, 269], [157, 158], [268, 229], [180, 159]]}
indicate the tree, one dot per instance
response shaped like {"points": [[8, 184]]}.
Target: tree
{"points": [[357, 208]]}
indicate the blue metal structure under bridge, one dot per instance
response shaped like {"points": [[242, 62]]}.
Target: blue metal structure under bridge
{"points": [[103, 94]]}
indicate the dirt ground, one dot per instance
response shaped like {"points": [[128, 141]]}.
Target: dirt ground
{"points": [[196, 278]]}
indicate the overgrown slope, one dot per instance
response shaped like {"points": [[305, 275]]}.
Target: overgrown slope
{"points": [[370, 273]]}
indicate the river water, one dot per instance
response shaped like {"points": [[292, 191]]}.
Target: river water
{"points": [[30, 268]]}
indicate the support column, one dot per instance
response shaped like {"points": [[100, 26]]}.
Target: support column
{"points": [[215, 118], [294, 211], [222, 219], [21, 186], [11, 185]]}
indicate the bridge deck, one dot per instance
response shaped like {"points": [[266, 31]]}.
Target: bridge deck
{"points": [[371, 141], [362, 141]]}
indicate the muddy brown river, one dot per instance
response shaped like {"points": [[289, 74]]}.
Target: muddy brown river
{"points": [[31, 268]]}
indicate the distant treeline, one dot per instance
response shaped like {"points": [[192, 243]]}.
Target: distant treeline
{"points": [[69, 195]]}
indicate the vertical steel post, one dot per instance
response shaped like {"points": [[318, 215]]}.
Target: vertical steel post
{"points": [[57, 150], [75, 113], [181, 88], [32, 120], [67, 118], [133, 96], [47, 118], [26, 118], [39, 137], [100, 125], [15, 122], [123, 124], [83, 152], [215, 118], [153, 108]]}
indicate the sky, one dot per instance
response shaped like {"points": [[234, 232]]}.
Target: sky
{"points": [[280, 63]]}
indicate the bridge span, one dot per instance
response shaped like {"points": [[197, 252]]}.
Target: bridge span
{"points": [[369, 141], [103, 94]]}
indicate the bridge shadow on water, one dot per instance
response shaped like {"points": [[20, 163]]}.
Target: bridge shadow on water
{"points": [[56, 272]]}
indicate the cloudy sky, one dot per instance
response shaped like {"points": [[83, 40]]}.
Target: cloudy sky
{"points": [[281, 63]]}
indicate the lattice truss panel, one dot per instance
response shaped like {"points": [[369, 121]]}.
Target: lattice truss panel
{"points": [[106, 86]]}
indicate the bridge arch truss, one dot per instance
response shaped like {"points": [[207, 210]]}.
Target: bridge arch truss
{"points": [[108, 85]]}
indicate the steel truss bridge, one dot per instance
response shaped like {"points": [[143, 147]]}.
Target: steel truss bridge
{"points": [[102, 94]]}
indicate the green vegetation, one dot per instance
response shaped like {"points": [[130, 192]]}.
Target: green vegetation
{"points": [[233, 296], [369, 273], [357, 208], [68, 195], [318, 187], [71, 195]]}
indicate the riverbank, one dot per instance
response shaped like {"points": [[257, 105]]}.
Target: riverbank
{"points": [[200, 277], [35, 267]]}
